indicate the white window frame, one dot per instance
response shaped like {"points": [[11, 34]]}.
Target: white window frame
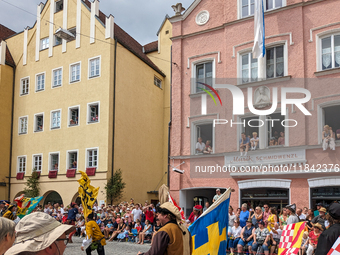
{"points": [[86, 157], [239, 67], [21, 85], [36, 81], [88, 119], [70, 115], [18, 163], [268, 46], [52, 77], [19, 125], [68, 158], [155, 80], [46, 44], [239, 7], [33, 161], [35, 123], [89, 67], [51, 115], [70, 78], [50, 160], [193, 131], [193, 73], [318, 40]]}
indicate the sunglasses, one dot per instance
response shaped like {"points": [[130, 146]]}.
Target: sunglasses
{"points": [[65, 240]]}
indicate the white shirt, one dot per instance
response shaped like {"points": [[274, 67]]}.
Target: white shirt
{"points": [[302, 216], [136, 214], [278, 235], [62, 211], [200, 146], [236, 232]]}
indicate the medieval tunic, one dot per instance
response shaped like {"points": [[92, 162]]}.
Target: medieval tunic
{"points": [[167, 241], [327, 239], [9, 215]]}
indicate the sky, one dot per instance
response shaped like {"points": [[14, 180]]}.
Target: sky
{"points": [[140, 18]]}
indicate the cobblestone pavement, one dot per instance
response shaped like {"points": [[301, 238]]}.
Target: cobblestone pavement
{"points": [[116, 248]]}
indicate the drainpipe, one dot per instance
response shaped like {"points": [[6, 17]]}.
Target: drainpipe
{"points": [[114, 108], [169, 125], [11, 142]]}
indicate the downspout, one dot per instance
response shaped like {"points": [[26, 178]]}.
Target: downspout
{"points": [[11, 142], [114, 108], [169, 125]]}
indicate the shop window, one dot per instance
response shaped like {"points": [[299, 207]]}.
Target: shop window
{"points": [[204, 74], [203, 143]]}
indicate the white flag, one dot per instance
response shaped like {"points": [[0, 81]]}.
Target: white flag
{"points": [[259, 49]]}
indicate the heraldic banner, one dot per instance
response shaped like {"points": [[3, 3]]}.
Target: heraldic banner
{"points": [[87, 193], [291, 238], [26, 205]]}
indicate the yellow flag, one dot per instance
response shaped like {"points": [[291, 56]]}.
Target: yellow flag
{"points": [[87, 193]]}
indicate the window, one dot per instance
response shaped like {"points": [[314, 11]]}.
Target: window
{"points": [[75, 72], [37, 162], [44, 43], [247, 8], [204, 74], [273, 4], [330, 52], [54, 161], [39, 123], [57, 75], [276, 130], [72, 160], [249, 68], [55, 119], [93, 112], [203, 137], [59, 5], [25, 82], [23, 125], [157, 82], [328, 119], [94, 67], [275, 62], [74, 32], [73, 116], [22, 164], [40, 82], [57, 40], [92, 158]]}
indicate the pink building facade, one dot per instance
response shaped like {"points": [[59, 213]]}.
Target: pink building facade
{"points": [[212, 44]]}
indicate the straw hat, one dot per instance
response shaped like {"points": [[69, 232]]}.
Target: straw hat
{"points": [[318, 225], [36, 232], [323, 209]]}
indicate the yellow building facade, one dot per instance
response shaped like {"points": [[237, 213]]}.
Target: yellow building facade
{"points": [[84, 91]]}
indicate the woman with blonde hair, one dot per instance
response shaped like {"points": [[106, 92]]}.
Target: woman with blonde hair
{"points": [[257, 216], [327, 138]]}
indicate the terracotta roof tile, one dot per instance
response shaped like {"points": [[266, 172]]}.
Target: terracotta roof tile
{"points": [[128, 42], [151, 47], [4, 33]]}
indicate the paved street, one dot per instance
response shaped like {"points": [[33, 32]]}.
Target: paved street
{"points": [[115, 248]]}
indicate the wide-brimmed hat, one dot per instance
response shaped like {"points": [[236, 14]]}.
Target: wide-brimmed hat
{"points": [[249, 220], [173, 209], [291, 207], [323, 209], [37, 231], [318, 225], [334, 211]]}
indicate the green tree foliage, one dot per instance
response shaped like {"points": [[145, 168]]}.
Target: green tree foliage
{"points": [[114, 187], [32, 188]]}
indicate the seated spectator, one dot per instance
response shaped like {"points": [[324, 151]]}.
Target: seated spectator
{"points": [[246, 237], [146, 231], [199, 146], [257, 216], [283, 218], [321, 218], [156, 228], [232, 218], [254, 141], [313, 238], [120, 229], [275, 235], [272, 141], [244, 144], [207, 148], [261, 237], [102, 227], [272, 218], [337, 134], [108, 229], [304, 243], [281, 140], [124, 234], [327, 138], [138, 226], [235, 236]]}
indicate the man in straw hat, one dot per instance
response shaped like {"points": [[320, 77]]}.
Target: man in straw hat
{"points": [[172, 238], [321, 218], [329, 236], [38, 233], [293, 218]]}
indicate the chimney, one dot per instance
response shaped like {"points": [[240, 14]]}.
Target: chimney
{"points": [[109, 30]]}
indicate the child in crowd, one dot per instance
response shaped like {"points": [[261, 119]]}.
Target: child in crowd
{"points": [[124, 234], [147, 231], [102, 227], [304, 243], [138, 226], [254, 142]]}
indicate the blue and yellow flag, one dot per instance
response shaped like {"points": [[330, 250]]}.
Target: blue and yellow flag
{"points": [[26, 205], [209, 231]]}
